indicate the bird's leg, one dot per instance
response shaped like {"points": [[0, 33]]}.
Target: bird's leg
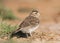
{"points": [[30, 34], [26, 35]]}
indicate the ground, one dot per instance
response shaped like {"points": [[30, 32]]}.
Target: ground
{"points": [[49, 29]]}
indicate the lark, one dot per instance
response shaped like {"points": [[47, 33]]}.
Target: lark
{"points": [[30, 23]]}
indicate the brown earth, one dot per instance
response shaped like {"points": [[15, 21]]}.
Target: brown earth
{"points": [[49, 19]]}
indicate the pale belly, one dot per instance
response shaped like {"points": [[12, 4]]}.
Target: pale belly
{"points": [[33, 29], [29, 30]]}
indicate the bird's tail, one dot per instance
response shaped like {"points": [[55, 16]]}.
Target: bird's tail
{"points": [[14, 33]]}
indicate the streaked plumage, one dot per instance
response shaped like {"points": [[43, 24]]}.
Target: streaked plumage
{"points": [[30, 24]]}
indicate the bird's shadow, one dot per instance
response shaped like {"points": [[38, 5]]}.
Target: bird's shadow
{"points": [[19, 34]]}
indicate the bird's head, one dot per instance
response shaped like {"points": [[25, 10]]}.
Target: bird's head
{"points": [[35, 13]]}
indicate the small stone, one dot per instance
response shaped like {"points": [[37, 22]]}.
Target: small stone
{"points": [[5, 38], [14, 37]]}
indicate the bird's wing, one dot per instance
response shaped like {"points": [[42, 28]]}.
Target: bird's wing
{"points": [[28, 22]]}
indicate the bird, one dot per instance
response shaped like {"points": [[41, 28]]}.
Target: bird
{"points": [[30, 23]]}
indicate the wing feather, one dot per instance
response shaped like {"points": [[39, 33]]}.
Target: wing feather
{"points": [[28, 22]]}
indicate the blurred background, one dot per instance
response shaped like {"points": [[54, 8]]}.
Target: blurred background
{"points": [[49, 9]]}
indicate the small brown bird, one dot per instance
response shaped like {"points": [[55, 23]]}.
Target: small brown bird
{"points": [[30, 24]]}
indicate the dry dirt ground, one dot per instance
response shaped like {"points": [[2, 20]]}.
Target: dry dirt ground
{"points": [[49, 30]]}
